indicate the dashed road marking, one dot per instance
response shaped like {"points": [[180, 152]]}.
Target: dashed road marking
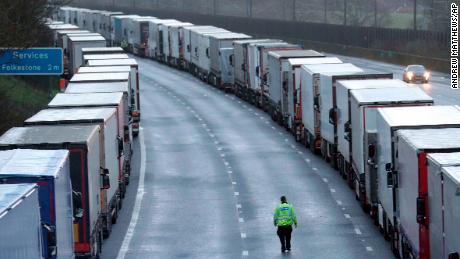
{"points": [[238, 206], [307, 160], [243, 235], [332, 190], [245, 253], [339, 202], [357, 231], [236, 193], [273, 127], [241, 220], [369, 248], [315, 169], [325, 180], [230, 172], [222, 155], [234, 183], [347, 216], [300, 152]]}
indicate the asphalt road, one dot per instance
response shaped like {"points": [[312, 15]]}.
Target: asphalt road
{"points": [[215, 168]]}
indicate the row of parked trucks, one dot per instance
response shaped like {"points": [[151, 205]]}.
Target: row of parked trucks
{"points": [[398, 151], [64, 173]]}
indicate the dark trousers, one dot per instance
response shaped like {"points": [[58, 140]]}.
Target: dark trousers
{"points": [[284, 233]]}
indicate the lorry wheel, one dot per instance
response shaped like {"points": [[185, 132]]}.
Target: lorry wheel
{"points": [[115, 216]]}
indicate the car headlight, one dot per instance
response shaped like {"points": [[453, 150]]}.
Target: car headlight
{"points": [[410, 75], [426, 75]]}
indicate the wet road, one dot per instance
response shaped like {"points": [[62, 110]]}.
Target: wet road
{"points": [[215, 168], [438, 86]]}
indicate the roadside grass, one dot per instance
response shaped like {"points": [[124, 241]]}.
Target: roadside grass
{"points": [[20, 99]]}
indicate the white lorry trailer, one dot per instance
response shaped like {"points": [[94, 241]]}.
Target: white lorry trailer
{"points": [[343, 89], [83, 143], [389, 120], [20, 237], [76, 44], [111, 151], [412, 196], [49, 169], [364, 104], [167, 41]]}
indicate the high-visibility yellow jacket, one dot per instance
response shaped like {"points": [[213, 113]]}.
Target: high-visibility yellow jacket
{"points": [[284, 215]]}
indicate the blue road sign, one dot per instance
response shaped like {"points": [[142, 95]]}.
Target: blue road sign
{"points": [[32, 61]]}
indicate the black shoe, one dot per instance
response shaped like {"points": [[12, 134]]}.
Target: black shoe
{"points": [[283, 250]]}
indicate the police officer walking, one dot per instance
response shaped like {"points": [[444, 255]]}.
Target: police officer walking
{"points": [[283, 218]]}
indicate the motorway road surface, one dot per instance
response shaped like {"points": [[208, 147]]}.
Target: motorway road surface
{"points": [[215, 168]]}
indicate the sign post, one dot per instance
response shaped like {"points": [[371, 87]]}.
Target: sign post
{"points": [[31, 61]]}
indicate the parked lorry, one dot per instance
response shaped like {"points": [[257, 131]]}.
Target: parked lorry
{"points": [[134, 84], [240, 60], [60, 34], [412, 195], [155, 34], [85, 173], [436, 208], [140, 35], [258, 70], [310, 80], [191, 48], [280, 77], [451, 215], [177, 44], [328, 107], [115, 100], [363, 110], [216, 44], [88, 57], [389, 120], [200, 40], [106, 25], [20, 222], [343, 97], [102, 50], [49, 169], [75, 45], [121, 30], [166, 45], [111, 151]]}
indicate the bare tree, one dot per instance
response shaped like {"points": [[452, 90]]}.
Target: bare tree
{"points": [[22, 22]]}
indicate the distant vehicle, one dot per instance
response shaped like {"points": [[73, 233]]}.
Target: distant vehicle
{"points": [[414, 73]]}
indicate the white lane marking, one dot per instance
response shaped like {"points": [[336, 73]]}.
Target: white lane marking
{"points": [[332, 190], [241, 220], [222, 155], [266, 122], [357, 231], [243, 235], [315, 169], [216, 142], [219, 148], [286, 140], [273, 127], [300, 152], [237, 193], [307, 160], [325, 180], [233, 183], [208, 130], [369, 248], [137, 205], [347, 216], [339, 202], [238, 206], [226, 163], [293, 146], [230, 172], [245, 253], [261, 117], [280, 133]]}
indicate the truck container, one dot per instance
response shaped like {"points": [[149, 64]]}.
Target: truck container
{"points": [[121, 30], [111, 151], [55, 27], [412, 195], [65, 39], [75, 45], [200, 57], [279, 75], [20, 222], [115, 100], [240, 60], [227, 80], [106, 25], [140, 35], [451, 185], [60, 34], [85, 173], [389, 120], [105, 69], [49, 169], [363, 113], [166, 45], [128, 30], [177, 46], [344, 136], [102, 50], [189, 50], [257, 69], [217, 43], [134, 84], [328, 107], [154, 36], [88, 57], [435, 163], [310, 80]]}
